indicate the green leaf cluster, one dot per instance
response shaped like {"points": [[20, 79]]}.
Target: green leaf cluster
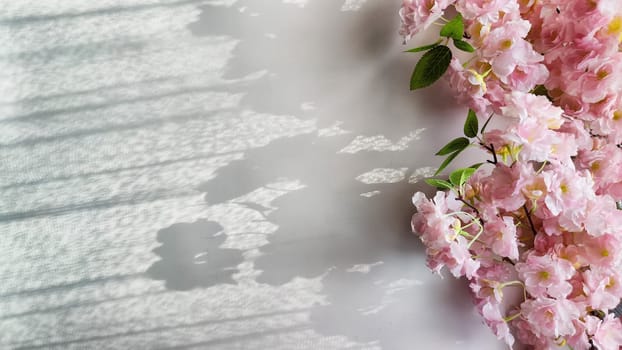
{"points": [[452, 149], [460, 176], [434, 63], [457, 145], [453, 29], [456, 179], [430, 67]]}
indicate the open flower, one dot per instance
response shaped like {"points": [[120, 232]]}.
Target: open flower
{"points": [[550, 318], [546, 275], [418, 15], [607, 335]]}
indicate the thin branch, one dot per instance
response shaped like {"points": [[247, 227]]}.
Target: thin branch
{"points": [[508, 260], [468, 205], [533, 228], [490, 149], [494, 154]]}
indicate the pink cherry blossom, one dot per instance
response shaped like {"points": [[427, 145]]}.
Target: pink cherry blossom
{"points": [[600, 288], [418, 15], [501, 236], [549, 317], [608, 334], [546, 275], [495, 320], [540, 215]]}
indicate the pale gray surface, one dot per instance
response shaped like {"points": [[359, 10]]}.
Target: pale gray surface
{"points": [[217, 174]]}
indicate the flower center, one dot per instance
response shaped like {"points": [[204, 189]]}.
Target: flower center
{"points": [[615, 27], [544, 275], [563, 188]]}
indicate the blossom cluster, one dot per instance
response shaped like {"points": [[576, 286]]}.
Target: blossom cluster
{"points": [[540, 217]]}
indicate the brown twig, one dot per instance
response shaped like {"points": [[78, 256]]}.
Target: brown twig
{"points": [[533, 228]]}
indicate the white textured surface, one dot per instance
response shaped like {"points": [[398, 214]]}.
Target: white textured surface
{"points": [[217, 174]]}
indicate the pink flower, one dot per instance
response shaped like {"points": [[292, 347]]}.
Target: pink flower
{"points": [[487, 286], [501, 235], [550, 318], [468, 87], [546, 275], [602, 217], [523, 106], [500, 189], [496, 322], [440, 230], [417, 15], [525, 333], [568, 193], [601, 288], [604, 161], [486, 11], [456, 257], [579, 339], [608, 334], [431, 221], [526, 77], [603, 250]]}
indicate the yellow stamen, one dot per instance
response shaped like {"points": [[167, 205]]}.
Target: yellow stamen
{"points": [[602, 74], [615, 27], [544, 275], [563, 188], [595, 166], [506, 44]]}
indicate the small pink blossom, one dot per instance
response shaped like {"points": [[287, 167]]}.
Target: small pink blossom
{"points": [[601, 289], [501, 235], [495, 320], [608, 334], [546, 275], [417, 15], [550, 318]]}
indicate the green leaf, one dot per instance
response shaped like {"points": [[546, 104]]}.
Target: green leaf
{"points": [[486, 123], [463, 45], [447, 161], [454, 145], [424, 47], [476, 165], [430, 67], [453, 29], [460, 176], [471, 124], [442, 184], [455, 177]]}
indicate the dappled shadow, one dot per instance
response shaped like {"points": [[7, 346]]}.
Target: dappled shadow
{"points": [[329, 222], [329, 66], [352, 230], [191, 256], [348, 228], [110, 10], [360, 244]]}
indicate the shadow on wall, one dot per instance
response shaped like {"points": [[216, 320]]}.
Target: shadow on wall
{"points": [[191, 257], [325, 58], [356, 233]]}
